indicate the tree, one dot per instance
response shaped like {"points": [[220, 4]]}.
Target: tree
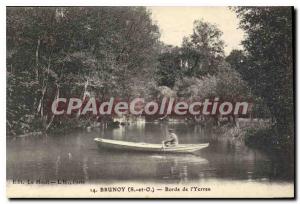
{"points": [[203, 50], [239, 62], [270, 62], [71, 51], [200, 55], [168, 69], [230, 85]]}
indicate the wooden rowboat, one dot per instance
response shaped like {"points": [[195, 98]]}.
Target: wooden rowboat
{"points": [[147, 147]]}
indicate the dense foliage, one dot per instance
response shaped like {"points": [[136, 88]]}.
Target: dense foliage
{"points": [[115, 51], [267, 65], [73, 51], [198, 68]]}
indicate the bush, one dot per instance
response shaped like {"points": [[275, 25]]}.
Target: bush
{"points": [[269, 140], [261, 138]]}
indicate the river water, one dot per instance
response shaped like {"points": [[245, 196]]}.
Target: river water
{"points": [[75, 156]]}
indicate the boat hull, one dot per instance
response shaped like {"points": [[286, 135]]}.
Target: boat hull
{"points": [[146, 147]]}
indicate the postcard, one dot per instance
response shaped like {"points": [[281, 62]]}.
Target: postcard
{"points": [[150, 102]]}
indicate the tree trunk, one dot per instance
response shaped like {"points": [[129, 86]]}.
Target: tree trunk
{"points": [[53, 115], [37, 59]]}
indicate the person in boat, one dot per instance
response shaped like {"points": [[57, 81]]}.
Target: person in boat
{"points": [[172, 139]]}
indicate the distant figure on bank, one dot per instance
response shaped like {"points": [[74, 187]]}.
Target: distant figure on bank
{"points": [[172, 139]]}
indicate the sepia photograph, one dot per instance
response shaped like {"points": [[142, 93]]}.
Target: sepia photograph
{"points": [[150, 102]]}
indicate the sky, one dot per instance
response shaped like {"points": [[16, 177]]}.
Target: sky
{"points": [[177, 22]]}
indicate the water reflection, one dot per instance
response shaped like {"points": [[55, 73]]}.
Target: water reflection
{"points": [[75, 156], [178, 167]]}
